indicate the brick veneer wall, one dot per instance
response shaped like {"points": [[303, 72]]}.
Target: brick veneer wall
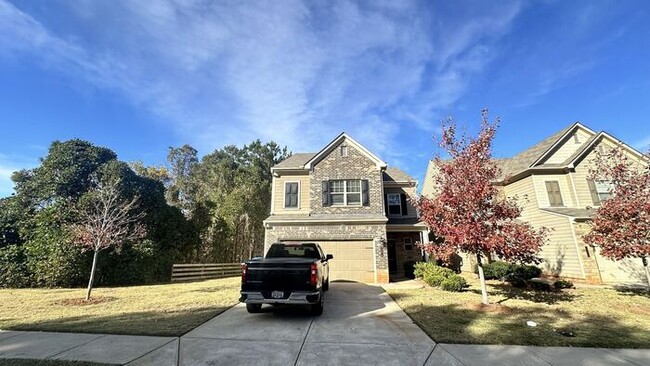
{"points": [[354, 166], [592, 273]]}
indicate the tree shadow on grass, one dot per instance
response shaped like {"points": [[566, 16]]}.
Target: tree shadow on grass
{"points": [[538, 296], [633, 290], [460, 323], [154, 323]]}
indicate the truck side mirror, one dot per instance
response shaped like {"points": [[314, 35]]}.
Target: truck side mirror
{"points": [[329, 256]]}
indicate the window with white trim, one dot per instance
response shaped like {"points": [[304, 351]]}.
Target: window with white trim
{"points": [[603, 188], [394, 204], [408, 244], [291, 194], [344, 151], [345, 192]]}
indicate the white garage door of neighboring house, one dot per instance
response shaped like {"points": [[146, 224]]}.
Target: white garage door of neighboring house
{"points": [[627, 271], [353, 260]]}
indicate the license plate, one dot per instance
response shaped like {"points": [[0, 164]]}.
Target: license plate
{"points": [[277, 294]]}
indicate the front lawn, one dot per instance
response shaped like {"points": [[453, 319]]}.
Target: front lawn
{"points": [[163, 310], [586, 316]]}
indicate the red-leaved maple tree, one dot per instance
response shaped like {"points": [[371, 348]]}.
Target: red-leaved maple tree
{"points": [[621, 226], [466, 212]]}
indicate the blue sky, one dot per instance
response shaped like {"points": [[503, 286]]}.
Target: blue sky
{"points": [[139, 76]]}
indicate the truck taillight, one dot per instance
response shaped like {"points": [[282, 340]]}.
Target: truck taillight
{"points": [[314, 274], [244, 269]]}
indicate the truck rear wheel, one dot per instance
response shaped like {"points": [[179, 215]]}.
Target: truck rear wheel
{"points": [[317, 309], [254, 308]]}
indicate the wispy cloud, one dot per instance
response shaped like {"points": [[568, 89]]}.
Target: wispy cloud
{"points": [[291, 71]]}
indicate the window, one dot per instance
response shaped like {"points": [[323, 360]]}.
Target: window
{"points": [[603, 189], [394, 204], [576, 138], [291, 195], [554, 194], [345, 192], [344, 150], [408, 244]]}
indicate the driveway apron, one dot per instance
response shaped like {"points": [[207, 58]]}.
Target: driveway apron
{"points": [[361, 324]]}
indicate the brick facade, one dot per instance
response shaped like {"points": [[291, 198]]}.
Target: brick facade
{"points": [[587, 254], [354, 166]]}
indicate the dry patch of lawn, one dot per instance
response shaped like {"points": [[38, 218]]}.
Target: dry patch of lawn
{"points": [[587, 317], [163, 310]]}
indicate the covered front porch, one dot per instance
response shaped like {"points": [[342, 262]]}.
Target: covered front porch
{"points": [[402, 236]]}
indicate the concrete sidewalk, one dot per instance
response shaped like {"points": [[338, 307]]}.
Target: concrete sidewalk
{"points": [[140, 350]]}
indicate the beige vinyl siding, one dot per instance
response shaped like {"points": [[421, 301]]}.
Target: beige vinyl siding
{"points": [[565, 189], [560, 251], [582, 172], [303, 192], [427, 187], [569, 147], [524, 191]]}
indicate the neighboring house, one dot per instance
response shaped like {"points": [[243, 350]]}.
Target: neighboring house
{"points": [[550, 180], [346, 199]]}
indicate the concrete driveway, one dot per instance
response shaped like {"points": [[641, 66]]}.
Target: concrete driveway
{"points": [[360, 325]]}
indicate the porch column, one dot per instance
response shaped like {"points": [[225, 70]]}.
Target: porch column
{"points": [[424, 239]]}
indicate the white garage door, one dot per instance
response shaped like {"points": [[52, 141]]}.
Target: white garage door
{"points": [[353, 260], [627, 271]]}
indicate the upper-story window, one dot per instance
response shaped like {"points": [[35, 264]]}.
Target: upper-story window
{"points": [[291, 194], [554, 194], [345, 192], [394, 203], [600, 190], [344, 150]]}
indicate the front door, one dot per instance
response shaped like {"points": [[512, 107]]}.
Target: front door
{"points": [[392, 257]]}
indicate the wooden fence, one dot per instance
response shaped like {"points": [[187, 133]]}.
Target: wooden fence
{"points": [[195, 272]]}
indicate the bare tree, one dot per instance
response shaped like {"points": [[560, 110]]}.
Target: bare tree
{"points": [[107, 221]]}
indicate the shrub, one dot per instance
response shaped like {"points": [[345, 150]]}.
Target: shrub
{"points": [[453, 283], [563, 284], [431, 273], [520, 274], [419, 269], [409, 269], [496, 270]]}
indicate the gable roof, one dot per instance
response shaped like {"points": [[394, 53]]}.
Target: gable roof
{"points": [[392, 174], [295, 161], [343, 136]]}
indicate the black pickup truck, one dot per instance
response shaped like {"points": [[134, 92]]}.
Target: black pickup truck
{"points": [[296, 274]]}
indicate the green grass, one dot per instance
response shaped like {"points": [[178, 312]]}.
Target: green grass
{"points": [[163, 310], [597, 317]]}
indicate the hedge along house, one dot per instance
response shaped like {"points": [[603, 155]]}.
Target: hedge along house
{"points": [[350, 202], [551, 181]]}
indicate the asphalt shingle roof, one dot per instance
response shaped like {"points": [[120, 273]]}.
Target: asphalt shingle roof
{"points": [[296, 160], [393, 174], [523, 160]]}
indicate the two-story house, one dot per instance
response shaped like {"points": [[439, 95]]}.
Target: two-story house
{"points": [[350, 202], [551, 183]]}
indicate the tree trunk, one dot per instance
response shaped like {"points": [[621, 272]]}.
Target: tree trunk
{"points": [[647, 270], [482, 277], [92, 275]]}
